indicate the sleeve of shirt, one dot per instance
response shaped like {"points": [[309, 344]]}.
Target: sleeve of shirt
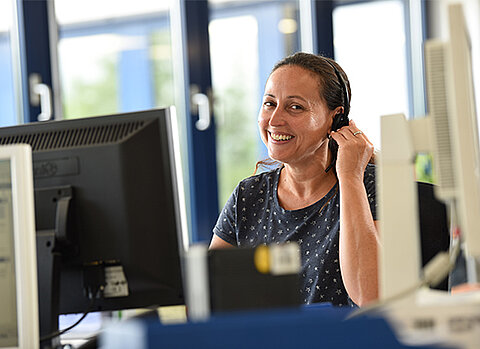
{"points": [[370, 186], [226, 226]]}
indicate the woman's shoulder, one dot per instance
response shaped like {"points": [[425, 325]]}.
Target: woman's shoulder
{"points": [[260, 178], [258, 181]]}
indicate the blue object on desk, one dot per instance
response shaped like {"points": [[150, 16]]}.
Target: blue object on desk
{"points": [[322, 327]]}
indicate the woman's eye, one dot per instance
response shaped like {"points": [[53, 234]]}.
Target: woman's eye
{"points": [[297, 107], [268, 104]]}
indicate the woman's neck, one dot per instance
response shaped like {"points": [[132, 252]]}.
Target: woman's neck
{"points": [[302, 187]]}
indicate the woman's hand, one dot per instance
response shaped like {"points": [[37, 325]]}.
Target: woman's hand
{"points": [[354, 151], [358, 232]]}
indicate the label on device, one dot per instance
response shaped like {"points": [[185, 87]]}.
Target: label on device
{"points": [[278, 259], [284, 259], [116, 284]]}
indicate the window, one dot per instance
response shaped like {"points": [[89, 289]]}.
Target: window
{"points": [[246, 39], [114, 59], [374, 60], [8, 115]]}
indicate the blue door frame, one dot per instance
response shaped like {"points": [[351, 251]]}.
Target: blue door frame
{"points": [[35, 38], [202, 152]]}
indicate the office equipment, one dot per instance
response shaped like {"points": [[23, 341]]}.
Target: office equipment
{"points": [[452, 106], [434, 227], [450, 132], [18, 278], [240, 279], [293, 328], [255, 278], [109, 212]]}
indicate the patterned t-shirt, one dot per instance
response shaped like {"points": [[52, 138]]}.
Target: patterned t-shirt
{"points": [[253, 216]]}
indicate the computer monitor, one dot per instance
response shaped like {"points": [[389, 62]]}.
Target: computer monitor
{"points": [[450, 132], [108, 211], [451, 101], [18, 273]]}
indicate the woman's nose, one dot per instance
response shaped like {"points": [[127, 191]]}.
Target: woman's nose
{"points": [[277, 117]]}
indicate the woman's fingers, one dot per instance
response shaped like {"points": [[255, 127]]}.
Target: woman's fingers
{"points": [[350, 131], [354, 151]]}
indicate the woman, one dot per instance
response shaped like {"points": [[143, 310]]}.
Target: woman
{"points": [[330, 213]]}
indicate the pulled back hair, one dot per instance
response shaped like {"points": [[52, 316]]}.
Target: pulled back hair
{"points": [[329, 87]]}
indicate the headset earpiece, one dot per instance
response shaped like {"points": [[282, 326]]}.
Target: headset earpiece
{"points": [[340, 119]]}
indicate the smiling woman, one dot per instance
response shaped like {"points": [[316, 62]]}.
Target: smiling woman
{"points": [[331, 214], [294, 117]]}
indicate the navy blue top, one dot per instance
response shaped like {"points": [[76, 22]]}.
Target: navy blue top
{"points": [[253, 216]]}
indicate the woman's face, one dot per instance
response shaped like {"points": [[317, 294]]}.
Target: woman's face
{"points": [[294, 121]]}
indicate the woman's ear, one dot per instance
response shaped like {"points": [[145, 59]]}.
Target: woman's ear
{"points": [[332, 115], [335, 112], [339, 119]]}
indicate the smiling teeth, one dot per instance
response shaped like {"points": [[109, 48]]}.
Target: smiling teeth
{"points": [[281, 137]]}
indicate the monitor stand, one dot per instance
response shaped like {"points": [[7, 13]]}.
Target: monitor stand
{"points": [[51, 239]]}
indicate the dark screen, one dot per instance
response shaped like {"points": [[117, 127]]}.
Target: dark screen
{"points": [[105, 186]]}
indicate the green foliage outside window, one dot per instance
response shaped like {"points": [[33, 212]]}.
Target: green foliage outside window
{"points": [[237, 139], [161, 57], [424, 168], [88, 98]]}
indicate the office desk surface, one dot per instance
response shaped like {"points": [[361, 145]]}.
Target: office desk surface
{"points": [[295, 328]]}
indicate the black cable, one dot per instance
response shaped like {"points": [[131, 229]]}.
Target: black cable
{"points": [[60, 332]]}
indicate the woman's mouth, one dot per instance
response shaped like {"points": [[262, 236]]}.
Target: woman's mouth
{"points": [[280, 137]]}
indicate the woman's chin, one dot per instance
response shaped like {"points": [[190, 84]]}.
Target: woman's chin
{"points": [[273, 156], [278, 157]]}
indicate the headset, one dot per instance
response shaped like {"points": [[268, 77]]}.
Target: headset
{"points": [[340, 119]]}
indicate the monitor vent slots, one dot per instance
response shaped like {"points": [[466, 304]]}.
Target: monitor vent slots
{"points": [[76, 136], [435, 54]]}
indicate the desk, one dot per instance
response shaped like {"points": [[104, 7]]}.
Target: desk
{"points": [[293, 328]]}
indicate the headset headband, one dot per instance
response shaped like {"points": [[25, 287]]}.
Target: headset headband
{"points": [[346, 97]]}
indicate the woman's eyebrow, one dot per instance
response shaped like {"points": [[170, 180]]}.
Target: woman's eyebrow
{"points": [[288, 97], [296, 96]]}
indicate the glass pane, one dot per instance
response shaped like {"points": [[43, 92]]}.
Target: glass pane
{"points": [[246, 39], [114, 59], [114, 56], [374, 60], [8, 115]]}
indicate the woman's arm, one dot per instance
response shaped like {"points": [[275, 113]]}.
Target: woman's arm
{"points": [[226, 224], [359, 244], [359, 240], [217, 243]]}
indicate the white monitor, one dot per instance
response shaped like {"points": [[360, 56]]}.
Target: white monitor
{"points": [[451, 100], [450, 132], [18, 265]]}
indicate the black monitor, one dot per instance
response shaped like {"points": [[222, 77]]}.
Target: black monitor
{"points": [[107, 205]]}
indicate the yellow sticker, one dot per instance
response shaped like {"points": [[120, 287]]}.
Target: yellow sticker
{"points": [[262, 259]]}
